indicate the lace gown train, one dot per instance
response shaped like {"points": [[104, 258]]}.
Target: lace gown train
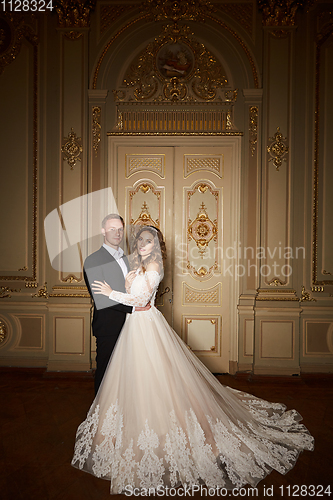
{"points": [[160, 418]]}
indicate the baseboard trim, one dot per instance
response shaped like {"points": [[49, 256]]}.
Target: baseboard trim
{"points": [[21, 362], [67, 366], [233, 367], [276, 370], [317, 368], [245, 367]]}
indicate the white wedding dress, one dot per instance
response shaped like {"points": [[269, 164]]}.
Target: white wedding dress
{"points": [[160, 418]]}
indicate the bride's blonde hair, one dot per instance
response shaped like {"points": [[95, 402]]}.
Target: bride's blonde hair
{"points": [[158, 253]]}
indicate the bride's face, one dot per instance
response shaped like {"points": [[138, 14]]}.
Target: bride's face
{"points": [[145, 244]]}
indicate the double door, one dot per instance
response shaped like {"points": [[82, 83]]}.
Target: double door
{"points": [[188, 187]]}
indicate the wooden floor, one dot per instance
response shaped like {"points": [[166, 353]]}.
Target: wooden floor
{"points": [[40, 412]]}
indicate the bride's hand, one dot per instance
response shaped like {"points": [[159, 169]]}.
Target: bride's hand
{"points": [[101, 288], [129, 280]]}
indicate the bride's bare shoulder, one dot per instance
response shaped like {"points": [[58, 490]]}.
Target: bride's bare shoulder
{"points": [[153, 266]]}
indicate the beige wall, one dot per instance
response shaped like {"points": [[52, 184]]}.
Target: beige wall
{"points": [[61, 81]]}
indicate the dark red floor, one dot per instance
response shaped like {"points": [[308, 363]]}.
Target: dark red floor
{"points": [[40, 412]]}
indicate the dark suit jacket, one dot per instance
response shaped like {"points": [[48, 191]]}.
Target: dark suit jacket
{"points": [[109, 316]]}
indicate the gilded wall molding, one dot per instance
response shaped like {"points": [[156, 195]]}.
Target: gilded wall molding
{"points": [[202, 229], [277, 149], [96, 128], [177, 10], [203, 163], [325, 30], [306, 296], [14, 30], [74, 14], [3, 332], [213, 320], [42, 292], [145, 202], [140, 163], [72, 148], [5, 292], [253, 128], [280, 12]]}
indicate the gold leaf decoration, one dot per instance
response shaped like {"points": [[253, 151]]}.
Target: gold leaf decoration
{"points": [[72, 148]]}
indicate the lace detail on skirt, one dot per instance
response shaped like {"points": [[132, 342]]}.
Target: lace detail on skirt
{"points": [[150, 468], [84, 438], [243, 454]]}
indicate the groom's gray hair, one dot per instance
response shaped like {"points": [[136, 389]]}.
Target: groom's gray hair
{"points": [[112, 216]]}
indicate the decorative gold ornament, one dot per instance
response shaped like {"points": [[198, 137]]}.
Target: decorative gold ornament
{"points": [[71, 295], [74, 13], [144, 218], [3, 332], [177, 10], [73, 35], [174, 90], [202, 230], [280, 12], [138, 163], [253, 128], [96, 128], [5, 292], [72, 148], [42, 292], [277, 149], [318, 289], [305, 296], [144, 188], [174, 67], [174, 119], [207, 163], [71, 279], [285, 294], [23, 268], [211, 296], [276, 282], [13, 30], [327, 273], [202, 188], [138, 19]]}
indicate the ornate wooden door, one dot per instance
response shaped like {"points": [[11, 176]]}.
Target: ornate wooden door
{"points": [[190, 191]]}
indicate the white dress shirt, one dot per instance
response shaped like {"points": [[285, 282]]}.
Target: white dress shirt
{"points": [[117, 255]]}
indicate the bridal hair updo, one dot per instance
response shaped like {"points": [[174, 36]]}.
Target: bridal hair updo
{"points": [[158, 253]]}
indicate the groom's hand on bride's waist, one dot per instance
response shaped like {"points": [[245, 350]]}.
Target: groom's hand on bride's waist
{"points": [[145, 308]]}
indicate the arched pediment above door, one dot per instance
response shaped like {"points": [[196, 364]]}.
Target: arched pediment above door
{"points": [[168, 86]]}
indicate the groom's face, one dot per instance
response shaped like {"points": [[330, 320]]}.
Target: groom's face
{"points": [[113, 233]]}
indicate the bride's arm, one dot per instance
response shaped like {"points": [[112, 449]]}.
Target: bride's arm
{"points": [[139, 300]]}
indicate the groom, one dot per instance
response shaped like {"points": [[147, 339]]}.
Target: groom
{"points": [[111, 265]]}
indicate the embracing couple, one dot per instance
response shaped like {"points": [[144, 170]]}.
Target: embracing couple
{"points": [[160, 419], [109, 267]]}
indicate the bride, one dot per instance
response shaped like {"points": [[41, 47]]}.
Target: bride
{"points": [[160, 418]]}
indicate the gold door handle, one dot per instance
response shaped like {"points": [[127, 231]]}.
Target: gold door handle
{"points": [[166, 290]]}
